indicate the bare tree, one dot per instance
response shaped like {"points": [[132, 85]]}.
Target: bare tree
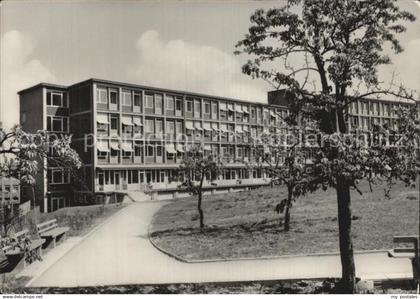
{"points": [[197, 168]]}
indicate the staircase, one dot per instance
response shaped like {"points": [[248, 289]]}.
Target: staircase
{"points": [[136, 196]]}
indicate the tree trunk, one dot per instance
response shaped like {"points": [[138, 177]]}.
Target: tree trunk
{"points": [[348, 276], [33, 198], [200, 210], [287, 211]]}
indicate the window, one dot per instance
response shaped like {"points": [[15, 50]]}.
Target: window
{"points": [[149, 101], [126, 154], [113, 97], [57, 123], [126, 98], [189, 106], [138, 150], [102, 95], [58, 176], [150, 151], [159, 150], [114, 152], [214, 110], [137, 99], [102, 155], [135, 177], [197, 108], [158, 103], [178, 104], [56, 98], [206, 107], [179, 130], [159, 127], [150, 126], [114, 122], [253, 113], [169, 103], [170, 128]]}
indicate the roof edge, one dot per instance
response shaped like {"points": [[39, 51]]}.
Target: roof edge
{"points": [[40, 85]]}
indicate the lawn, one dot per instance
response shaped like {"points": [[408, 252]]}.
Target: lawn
{"points": [[244, 224], [81, 219]]}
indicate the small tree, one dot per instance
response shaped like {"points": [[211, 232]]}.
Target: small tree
{"points": [[23, 155], [195, 169], [285, 161]]}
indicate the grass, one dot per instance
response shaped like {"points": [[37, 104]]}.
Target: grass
{"points": [[245, 225], [81, 219]]}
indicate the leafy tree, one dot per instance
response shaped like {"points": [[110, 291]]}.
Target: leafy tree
{"points": [[23, 155], [195, 169], [340, 45], [284, 157]]}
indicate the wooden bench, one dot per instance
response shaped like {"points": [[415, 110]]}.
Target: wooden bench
{"points": [[14, 253], [409, 251], [51, 232]]}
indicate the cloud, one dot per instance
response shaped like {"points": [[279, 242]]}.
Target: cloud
{"points": [[19, 70], [177, 64], [404, 68]]}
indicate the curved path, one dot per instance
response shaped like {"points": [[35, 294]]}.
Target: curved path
{"points": [[119, 252]]}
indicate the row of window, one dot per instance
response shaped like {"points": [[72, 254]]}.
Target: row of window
{"points": [[369, 122], [122, 177], [373, 108], [58, 176], [156, 126], [157, 103]]}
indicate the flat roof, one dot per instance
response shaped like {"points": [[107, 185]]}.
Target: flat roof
{"points": [[179, 92], [42, 84], [166, 90]]}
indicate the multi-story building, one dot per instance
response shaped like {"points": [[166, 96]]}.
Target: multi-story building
{"points": [[9, 190], [46, 107], [132, 138]]}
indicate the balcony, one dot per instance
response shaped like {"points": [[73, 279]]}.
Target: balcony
{"points": [[127, 160], [113, 107], [149, 159], [114, 160], [103, 160], [170, 112]]}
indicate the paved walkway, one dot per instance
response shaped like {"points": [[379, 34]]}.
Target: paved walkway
{"points": [[119, 252]]}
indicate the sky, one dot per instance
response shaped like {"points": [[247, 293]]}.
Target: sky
{"points": [[186, 45]]}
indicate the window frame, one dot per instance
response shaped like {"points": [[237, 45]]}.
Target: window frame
{"points": [[98, 95], [64, 123], [124, 94], [170, 99], [111, 92]]}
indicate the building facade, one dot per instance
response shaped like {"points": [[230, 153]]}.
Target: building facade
{"points": [[9, 190], [132, 138]]}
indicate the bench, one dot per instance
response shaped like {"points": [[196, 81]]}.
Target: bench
{"points": [[410, 251], [15, 253], [51, 232]]}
